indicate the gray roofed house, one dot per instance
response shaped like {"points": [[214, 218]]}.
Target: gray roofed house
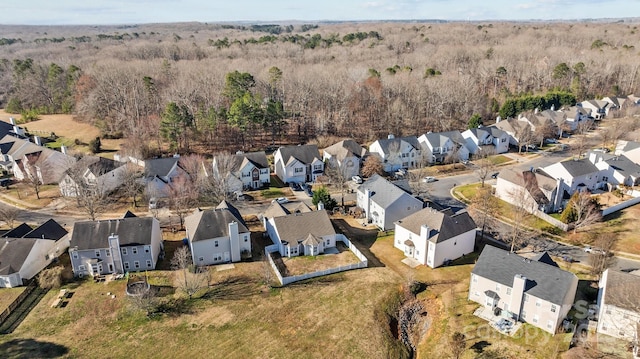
{"points": [[292, 233], [434, 237], [13, 256], [438, 147], [532, 291], [577, 174], [384, 203], [621, 170], [159, 173], [397, 153], [217, 236], [619, 305], [347, 155], [228, 206], [245, 170], [48, 230], [531, 190], [19, 231], [115, 246], [486, 137], [298, 164], [630, 149]]}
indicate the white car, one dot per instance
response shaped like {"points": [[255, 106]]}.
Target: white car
{"points": [[429, 179], [357, 179], [282, 200], [153, 203]]}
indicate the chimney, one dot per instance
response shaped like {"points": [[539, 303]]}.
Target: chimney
{"points": [[553, 107], [12, 121], [320, 206], [559, 191], [517, 293], [367, 202], [37, 140], [535, 110], [390, 136], [63, 149], [424, 232], [18, 131], [498, 119], [234, 239]]}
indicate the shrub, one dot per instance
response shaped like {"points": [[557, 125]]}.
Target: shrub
{"points": [[51, 278]]}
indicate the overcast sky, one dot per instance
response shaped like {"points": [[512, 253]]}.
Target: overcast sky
{"points": [[72, 12]]}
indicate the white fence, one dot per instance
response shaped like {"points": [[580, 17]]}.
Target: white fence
{"points": [[620, 206], [552, 221], [339, 237]]}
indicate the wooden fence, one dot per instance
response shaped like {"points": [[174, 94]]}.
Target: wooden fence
{"points": [[5, 314]]}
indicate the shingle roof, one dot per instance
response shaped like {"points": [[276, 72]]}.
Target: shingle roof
{"points": [[385, 143], [48, 230], [624, 165], [159, 166], [303, 153], [211, 223], [228, 206], [579, 167], [346, 148], [544, 281], [277, 209], [97, 165], [19, 231], [441, 226], [259, 159], [622, 290], [13, 253], [297, 227], [384, 193], [95, 234]]}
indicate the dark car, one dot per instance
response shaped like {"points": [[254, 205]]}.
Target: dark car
{"points": [[495, 175], [295, 186]]}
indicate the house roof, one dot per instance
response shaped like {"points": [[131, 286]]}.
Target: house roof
{"points": [[533, 182], [297, 227], [211, 223], [544, 281], [95, 234], [129, 214], [258, 159], [386, 143], [624, 165], [48, 230], [159, 166], [622, 290], [303, 153], [346, 148], [277, 209], [383, 192], [13, 253], [441, 225], [577, 168], [19, 231], [228, 206], [97, 165]]}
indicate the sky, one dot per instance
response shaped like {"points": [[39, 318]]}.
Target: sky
{"points": [[98, 12]]}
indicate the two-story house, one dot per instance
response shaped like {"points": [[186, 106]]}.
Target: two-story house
{"points": [[97, 173], [298, 164], [618, 306], [440, 147], [396, 153], [118, 246], [616, 169], [577, 175], [159, 173], [384, 203], [491, 137], [347, 156], [531, 190], [308, 234], [528, 290], [245, 171], [434, 237], [576, 117], [217, 236], [598, 108]]}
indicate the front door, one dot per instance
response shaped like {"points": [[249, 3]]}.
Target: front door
{"points": [[226, 257]]}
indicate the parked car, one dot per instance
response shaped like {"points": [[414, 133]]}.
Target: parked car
{"points": [[550, 140], [295, 186], [282, 200], [429, 179], [357, 179], [495, 175], [590, 249], [153, 203], [568, 259], [601, 149]]}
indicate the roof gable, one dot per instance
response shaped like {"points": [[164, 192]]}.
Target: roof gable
{"points": [[383, 192], [303, 153], [442, 226], [211, 223], [297, 227], [95, 234]]}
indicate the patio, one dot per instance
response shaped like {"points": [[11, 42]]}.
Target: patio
{"points": [[502, 324]]}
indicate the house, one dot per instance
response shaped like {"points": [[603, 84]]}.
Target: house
{"points": [[598, 108], [577, 175], [618, 305], [217, 236], [518, 132], [524, 289], [24, 251], [347, 155], [616, 169], [99, 173], [531, 190], [115, 246], [443, 146], [246, 171], [433, 237], [308, 234], [159, 173], [629, 149], [615, 104], [396, 153], [29, 160], [486, 137], [576, 117], [298, 164], [277, 209], [384, 203]]}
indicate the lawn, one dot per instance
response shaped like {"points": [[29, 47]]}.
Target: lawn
{"points": [[308, 264], [499, 159], [8, 295]]}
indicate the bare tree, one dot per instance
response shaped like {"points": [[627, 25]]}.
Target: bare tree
{"points": [[146, 301], [457, 344], [338, 176], [51, 277], [484, 165], [182, 197], [517, 233], [89, 186], [484, 207], [8, 214], [372, 165], [582, 210], [188, 278], [223, 182], [601, 256], [33, 175], [132, 185]]}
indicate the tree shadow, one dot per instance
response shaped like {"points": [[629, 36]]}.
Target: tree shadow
{"points": [[363, 239], [175, 307], [29, 348], [479, 347], [232, 288]]}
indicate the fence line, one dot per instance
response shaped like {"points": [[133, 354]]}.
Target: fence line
{"points": [[552, 221], [290, 279], [5, 314], [620, 206]]}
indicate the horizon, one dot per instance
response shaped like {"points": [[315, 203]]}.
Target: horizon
{"points": [[109, 12]]}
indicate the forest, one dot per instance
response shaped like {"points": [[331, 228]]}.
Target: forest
{"points": [[199, 87]]}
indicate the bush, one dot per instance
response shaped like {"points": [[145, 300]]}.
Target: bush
{"points": [[51, 278], [95, 146]]}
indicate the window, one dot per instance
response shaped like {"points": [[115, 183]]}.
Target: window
{"points": [[508, 291], [526, 298], [97, 253], [136, 264], [550, 324], [134, 250], [107, 252], [81, 267], [215, 243], [200, 259], [497, 287], [124, 251], [246, 239], [538, 303], [474, 279], [298, 170], [328, 241], [536, 318], [524, 314], [126, 265], [317, 167], [74, 254], [147, 249]]}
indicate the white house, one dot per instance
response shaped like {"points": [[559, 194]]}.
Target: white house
{"points": [[346, 155], [298, 163], [629, 149], [159, 173], [217, 236], [432, 237], [576, 116], [397, 153], [103, 174], [385, 203], [24, 251], [619, 306], [490, 136], [308, 234], [577, 175], [245, 171], [531, 190], [528, 290], [438, 147], [598, 108], [616, 169]]}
